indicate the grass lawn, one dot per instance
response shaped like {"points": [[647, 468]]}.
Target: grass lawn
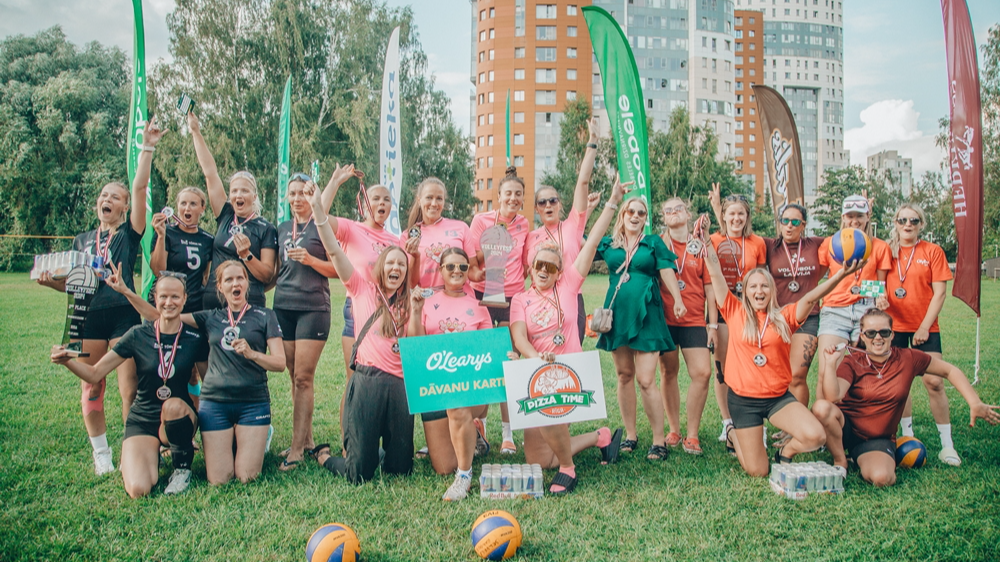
{"points": [[52, 506]]}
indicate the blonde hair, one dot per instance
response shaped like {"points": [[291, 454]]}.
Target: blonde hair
{"points": [[416, 214], [748, 225], [243, 174], [894, 236], [751, 329], [124, 215], [220, 273], [867, 228], [618, 231], [197, 191]]}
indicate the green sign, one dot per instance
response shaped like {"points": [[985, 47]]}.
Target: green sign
{"points": [[457, 370], [532, 405], [872, 289]]}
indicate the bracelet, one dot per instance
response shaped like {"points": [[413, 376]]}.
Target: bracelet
{"points": [[610, 205], [712, 326], [592, 145], [326, 220], [148, 148]]}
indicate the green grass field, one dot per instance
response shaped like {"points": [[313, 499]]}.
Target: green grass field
{"points": [[52, 506]]}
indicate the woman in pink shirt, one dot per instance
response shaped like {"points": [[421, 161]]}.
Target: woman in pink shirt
{"points": [[433, 235], [451, 435], [375, 407], [542, 327]]}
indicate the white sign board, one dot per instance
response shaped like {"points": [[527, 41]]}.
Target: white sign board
{"points": [[539, 394]]}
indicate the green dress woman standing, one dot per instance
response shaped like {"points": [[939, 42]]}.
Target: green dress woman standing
{"points": [[638, 331]]}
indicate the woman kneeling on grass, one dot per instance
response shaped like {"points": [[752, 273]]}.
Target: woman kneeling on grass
{"points": [[759, 371], [543, 325], [162, 411], [869, 393], [235, 409]]}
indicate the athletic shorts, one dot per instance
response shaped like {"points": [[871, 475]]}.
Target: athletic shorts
{"points": [[140, 425], [905, 339], [348, 331], [434, 416], [751, 412], [498, 315], [689, 337], [843, 321], [109, 323], [304, 324], [218, 416], [810, 327], [856, 446]]}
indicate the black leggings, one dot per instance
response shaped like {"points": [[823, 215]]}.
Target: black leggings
{"points": [[375, 409]]}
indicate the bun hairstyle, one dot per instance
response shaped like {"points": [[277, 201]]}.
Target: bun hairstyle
{"points": [[512, 176]]}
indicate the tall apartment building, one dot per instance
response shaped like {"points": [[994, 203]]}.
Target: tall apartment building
{"points": [[540, 51], [898, 171], [749, 71]]}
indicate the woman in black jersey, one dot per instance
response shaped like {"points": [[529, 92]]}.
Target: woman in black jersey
{"points": [[235, 409], [180, 244], [122, 217], [162, 412], [302, 305], [242, 234]]}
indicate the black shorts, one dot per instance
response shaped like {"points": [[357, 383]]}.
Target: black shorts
{"points": [[497, 315], [434, 416], [857, 446], [109, 323], [905, 339], [689, 337], [751, 412], [304, 324], [810, 326], [141, 425]]}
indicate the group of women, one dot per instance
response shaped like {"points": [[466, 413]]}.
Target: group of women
{"points": [[201, 362]]}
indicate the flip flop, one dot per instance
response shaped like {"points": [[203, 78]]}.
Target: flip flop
{"points": [[287, 465], [315, 451], [285, 453], [609, 454]]}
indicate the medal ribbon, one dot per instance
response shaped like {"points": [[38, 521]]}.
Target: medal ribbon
{"points": [[742, 263], [165, 366], [902, 274], [295, 230], [760, 334], [388, 307], [795, 265], [229, 311], [237, 223], [555, 303], [106, 252], [680, 267], [629, 253], [553, 238], [362, 197]]}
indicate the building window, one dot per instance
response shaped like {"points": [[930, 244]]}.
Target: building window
{"points": [[518, 74], [490, 78], [491, 54], [571, 31], [489, 140], [480, 99], [518, 95], [545, 12], [545, 33], [482, 141], [545, 97], [479, 163], [571, 74], [482, 15], [489, 118], [519, 138], [571, 52], [491, 97], [545, 54], [482, 35], [482, 56], [489, 162], [570, 95], [571, 10], [493, 12], [519, 115], [519, 161], [518, 52], [482, 77], [482, 119], [492, 33]]}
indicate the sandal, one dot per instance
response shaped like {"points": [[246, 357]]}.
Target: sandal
{"points": [[609, 454], [658, 453], [781, 459], [566, 481], [629, 445], [692, 446], [284, 454], [730, 442], [422, 453], [673, 439], [315, 451], [287, 465]]}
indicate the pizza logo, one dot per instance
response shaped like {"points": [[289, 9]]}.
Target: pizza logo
{"points": [[554, 390], [435, 250], [451, 325], [542, 317]]}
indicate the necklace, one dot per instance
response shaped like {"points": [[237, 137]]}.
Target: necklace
{"points": [[878, 372]]}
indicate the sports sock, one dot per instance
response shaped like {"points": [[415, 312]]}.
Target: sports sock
{"points": [[100, 443], [179, 433], [727, 422], [945, 431], [508, 435], [465, 473], [603, 437], [907, 425]]}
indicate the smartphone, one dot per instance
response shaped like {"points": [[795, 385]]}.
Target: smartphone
{"points": [[185, 104]]}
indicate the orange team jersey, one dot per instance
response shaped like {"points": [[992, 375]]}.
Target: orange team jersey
{"points": [[841, 295], [743, 376], [692, 276], [518, 228], [920, 266], [363, 244], [443, 314], [737, 256], [435, 239]]}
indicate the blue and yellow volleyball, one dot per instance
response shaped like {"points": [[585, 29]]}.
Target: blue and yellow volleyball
{"points": [[496, 535], [333, 542], [910, 452], [850, 244]]}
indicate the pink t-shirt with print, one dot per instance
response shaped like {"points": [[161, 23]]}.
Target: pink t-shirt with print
{"points": [[375, 349], [569, 236], [541, 318], [518, 229], [434, 239], [443, 314], [363, 244]]}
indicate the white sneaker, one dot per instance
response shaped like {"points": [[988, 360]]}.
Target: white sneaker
{"points": [[725, 429], [103, 463], [179, 481], [949, 456], [458, 490], [270, 434]]}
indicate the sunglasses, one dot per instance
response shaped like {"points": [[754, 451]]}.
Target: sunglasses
{"points": [[546, 266], [299, 176], [736, 197], [914, 221], [793, 222], [860, 205], [870, 334], [640, 212], [463, 267], [173, 274], [547, 202], [673, 210]]}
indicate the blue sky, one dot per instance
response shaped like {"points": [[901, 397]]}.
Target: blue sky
{"points": [[895, 81]]}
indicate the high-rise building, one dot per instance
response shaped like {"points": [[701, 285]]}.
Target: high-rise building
{"points": [[749, 71], [539, 51], [897, 171], [713, 77]]}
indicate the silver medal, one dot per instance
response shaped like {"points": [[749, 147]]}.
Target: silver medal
{"points": [[395, 348], [168, 215], [681, 284], [289, 244], [236, 229], [900, 293], [625, 277], [759, 360], [695, 246], [855, 290], [793, 287], [427, 293], [163, 392], [739, 287], [229, 335], [414, 232], [558, 339]]}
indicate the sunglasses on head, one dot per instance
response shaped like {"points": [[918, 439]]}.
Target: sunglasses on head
{"points": [[299, 176], [547, 202], [546, 266], [673, 210], [793, 222], [173, 274], [736, 197], [870, 334], [859, 205], [640, 212], [463, 267], [914, 221]]}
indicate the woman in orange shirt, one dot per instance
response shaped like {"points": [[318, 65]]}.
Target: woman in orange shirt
{"points": [[739, 250], [916, 288], [760, 372]]}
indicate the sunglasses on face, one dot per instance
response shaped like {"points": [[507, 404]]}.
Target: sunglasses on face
{"points": [[546, 266], [673, 210], [736, 197], [870, 334], [463, 267], [174, 274], [299, 176], [793, 222], [547, 202], [640, 212], [914, 221]]}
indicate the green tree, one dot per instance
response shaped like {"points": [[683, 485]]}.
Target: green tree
{"points": [[63, 115], [854, 180]]}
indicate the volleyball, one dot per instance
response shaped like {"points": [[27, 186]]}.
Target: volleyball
{"points": [[496, 535], [82, 279], [333, 542], [910, 452], [850, 244]]}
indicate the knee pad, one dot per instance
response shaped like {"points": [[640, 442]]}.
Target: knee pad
{"points": [[92, 397], [719, 376], [179, 434]]}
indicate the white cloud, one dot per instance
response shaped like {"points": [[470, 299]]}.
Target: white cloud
{"points": [[892, 125]]}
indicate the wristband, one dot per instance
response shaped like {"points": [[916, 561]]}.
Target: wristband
{"points": [[712, 326], [610, 205], [592, 145], [148, 148], [326, 220]]}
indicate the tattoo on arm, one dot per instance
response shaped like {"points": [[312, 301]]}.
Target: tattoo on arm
{"points": [[809, 351]]}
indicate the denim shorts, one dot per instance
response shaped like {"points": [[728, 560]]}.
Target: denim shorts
{"points": [[218, 416], [843, 321], [348, 319]]}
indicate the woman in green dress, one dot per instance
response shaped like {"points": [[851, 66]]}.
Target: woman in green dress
{"points": [[638, 331]]}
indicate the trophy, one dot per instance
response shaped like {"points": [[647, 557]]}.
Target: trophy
{"points": [[185, 104], [497, 245], [81, 284]]}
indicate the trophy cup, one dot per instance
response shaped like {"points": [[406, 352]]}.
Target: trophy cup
{"points": [[497, 244], [81, 284]]}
